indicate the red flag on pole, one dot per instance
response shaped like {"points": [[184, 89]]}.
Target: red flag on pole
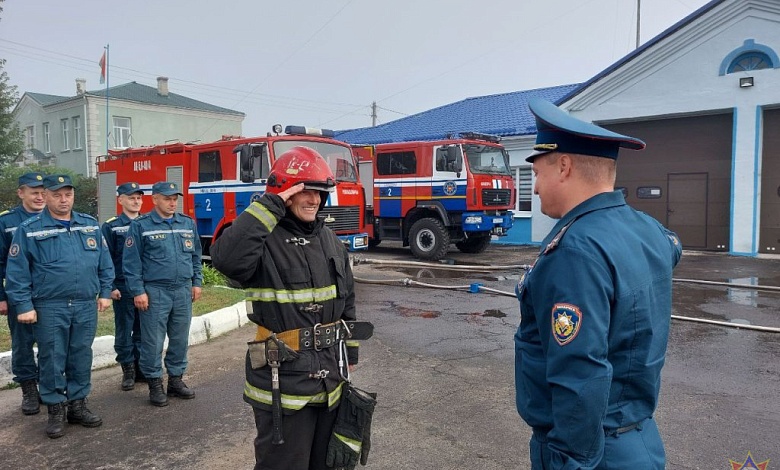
{"points": [[102, 64]]}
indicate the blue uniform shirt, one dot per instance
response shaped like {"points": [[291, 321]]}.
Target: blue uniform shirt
{"points": [[115, 232], [596, 308], [9, 221], [161, 252], [47, 261]]}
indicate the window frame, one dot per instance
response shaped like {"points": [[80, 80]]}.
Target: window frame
{"points": [[29, 137], [46, 138], [119, 135], [77, 141], [65, 134]]}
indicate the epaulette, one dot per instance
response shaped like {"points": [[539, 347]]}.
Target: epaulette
{"points": [[184, 215], [111, 219], [143, 216], [30, 220], [86, 216], [5, 212]]}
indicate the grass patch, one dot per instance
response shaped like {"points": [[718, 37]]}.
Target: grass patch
{"points": [[213, 298]]}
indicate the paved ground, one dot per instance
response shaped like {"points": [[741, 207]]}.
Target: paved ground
{"points": [[442, 362]]}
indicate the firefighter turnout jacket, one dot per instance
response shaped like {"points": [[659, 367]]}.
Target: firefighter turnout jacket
{"points": [[294, 278]]}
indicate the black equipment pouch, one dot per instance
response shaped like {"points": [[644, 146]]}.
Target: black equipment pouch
{"points": [[351, 437], [257, 356]]}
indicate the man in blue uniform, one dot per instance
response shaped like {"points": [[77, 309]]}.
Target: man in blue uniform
{"points": [[58, 265], [127, 327], [22, 336], [162, 268], [595, 307]]}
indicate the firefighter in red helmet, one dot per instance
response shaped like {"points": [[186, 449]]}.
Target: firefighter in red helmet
{"points": [[297, 274]]}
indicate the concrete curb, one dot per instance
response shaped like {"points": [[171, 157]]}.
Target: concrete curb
{"points": [[202, 329]]}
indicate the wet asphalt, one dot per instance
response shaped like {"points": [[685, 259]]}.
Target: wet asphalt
{"points": [[442, 361]]}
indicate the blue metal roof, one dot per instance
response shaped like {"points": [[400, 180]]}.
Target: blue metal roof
{"points": [[505, 114]]}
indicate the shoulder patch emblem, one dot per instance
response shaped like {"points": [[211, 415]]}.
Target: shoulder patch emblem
{"points": [[91, 242], [566, 322], [14, 250], [129, 242]]}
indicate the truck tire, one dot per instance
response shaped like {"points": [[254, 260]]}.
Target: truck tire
{"points": [[474, 244], [429, 240]]}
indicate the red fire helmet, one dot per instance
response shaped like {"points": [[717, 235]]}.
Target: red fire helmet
{"points": [[300, 165]]}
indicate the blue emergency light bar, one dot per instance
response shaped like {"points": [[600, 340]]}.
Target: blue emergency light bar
{"points": [[302, 130]]}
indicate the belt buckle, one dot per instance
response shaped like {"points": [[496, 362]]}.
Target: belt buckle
{"points": [[317, 332]]}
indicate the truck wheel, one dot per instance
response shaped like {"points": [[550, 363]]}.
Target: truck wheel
{"points": [[429, 240], [474, 244]]}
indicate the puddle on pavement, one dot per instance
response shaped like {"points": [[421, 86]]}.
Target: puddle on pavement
{"points": [[495, 313], [416, 312], [433, 273]]}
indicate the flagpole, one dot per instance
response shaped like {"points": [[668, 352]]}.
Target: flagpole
{"points": [[107, 75]]}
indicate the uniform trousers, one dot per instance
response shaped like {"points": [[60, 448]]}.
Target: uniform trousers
{"points": [[638, 449], [169, 312], [65, 331], [306, 435], [127, 329], [22, 355]]}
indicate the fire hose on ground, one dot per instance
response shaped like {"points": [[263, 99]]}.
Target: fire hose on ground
{"points": [[477, 287]]}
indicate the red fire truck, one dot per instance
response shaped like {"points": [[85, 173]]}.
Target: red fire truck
{"points": [[429, 194], [220, 179]]}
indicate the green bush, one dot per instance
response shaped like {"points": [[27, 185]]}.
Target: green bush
{"points": [[86, 188], [212, 277]]}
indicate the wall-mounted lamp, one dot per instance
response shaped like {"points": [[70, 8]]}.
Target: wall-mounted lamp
{"points": [[746, 82]]}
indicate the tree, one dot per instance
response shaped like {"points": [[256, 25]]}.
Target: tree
{"points": [[11, 137], [86, 188]]}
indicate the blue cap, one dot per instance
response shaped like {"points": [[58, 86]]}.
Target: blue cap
{"points": [[31, 180], [557, 131], [55, 182], [128, 188], [166, 188]]}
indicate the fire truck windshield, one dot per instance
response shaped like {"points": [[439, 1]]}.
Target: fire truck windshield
{"points": [[339, 157], [486, 159]]}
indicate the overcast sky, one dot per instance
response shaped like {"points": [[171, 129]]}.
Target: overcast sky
{"points": [[322, 62]]}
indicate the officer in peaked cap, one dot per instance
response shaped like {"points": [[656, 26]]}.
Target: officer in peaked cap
{"points": [[127, 326], [23, 365], [162, 269], [47, 253], [596, 307]]}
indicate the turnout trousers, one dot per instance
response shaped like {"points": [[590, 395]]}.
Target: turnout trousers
{"points": [[127, 329], [22, 355], [306, 435], [169, 312], [640, 448], [65, 331]]}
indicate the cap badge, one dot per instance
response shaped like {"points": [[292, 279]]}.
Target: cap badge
{"points": [[39, 177], [61, 179], [173, 186]]}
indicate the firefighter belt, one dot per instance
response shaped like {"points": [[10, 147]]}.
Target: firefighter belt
{"points": [[319, 336]]}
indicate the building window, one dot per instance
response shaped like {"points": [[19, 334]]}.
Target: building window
{"points": [[209, 167], [749, 56], [750, 61], [122, 132], [46, 138], [396, 163], [524, 184], [65, 134], [76, 132], [29, 137]]}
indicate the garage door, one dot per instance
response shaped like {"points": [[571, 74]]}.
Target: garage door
{"points": [[769, 231]]}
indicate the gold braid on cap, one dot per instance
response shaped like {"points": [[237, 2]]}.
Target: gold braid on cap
{"points": [[545, 146]]}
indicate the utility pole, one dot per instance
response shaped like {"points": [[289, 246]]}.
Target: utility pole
{"points": [[373, 114], [638, 22]]}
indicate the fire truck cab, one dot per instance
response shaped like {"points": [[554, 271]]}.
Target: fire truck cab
{"points": [[429, 194], [220, 179]]}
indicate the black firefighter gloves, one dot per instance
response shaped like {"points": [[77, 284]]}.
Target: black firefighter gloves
{"points": [[351, 436]]}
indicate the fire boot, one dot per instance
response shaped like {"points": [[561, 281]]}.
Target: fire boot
{"points": [[31, 399], [128, 376], [139, 376], [156, 394], [177, 388], [78, 413], [56, 425]]}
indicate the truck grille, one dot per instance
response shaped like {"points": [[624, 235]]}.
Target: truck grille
{"points": [[341, 218], [496, 197]]}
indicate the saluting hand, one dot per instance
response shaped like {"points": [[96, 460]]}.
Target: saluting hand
{"points": [[290, 192], [27, 317], [141, 302]]}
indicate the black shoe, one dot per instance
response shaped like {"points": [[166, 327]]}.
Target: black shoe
{"points": [[31, 399], [56, 425], [139, 376], [156, 395], [177, 388], [78, 413], [128, 376]]}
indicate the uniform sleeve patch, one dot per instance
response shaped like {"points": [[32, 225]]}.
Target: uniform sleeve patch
{"points": [[129, 242], [566, 321], [14, 250]]}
